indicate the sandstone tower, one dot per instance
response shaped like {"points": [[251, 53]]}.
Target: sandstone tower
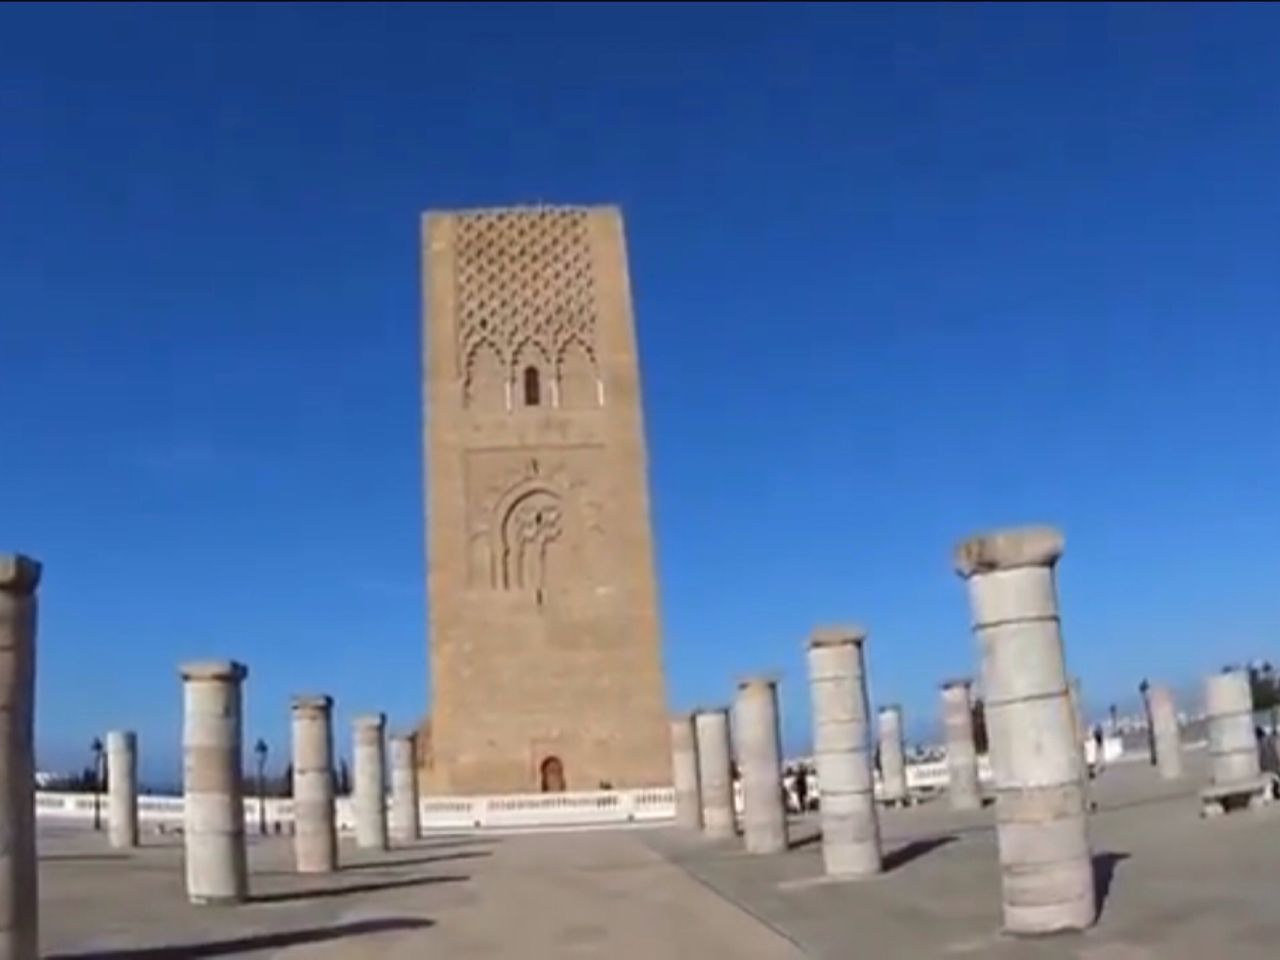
{"points": [[544, 639]]}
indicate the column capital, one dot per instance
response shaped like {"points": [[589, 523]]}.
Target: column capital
{"points": [[19, 573], [214, 670], [1035, 546], [311, 702], [889, 708], [952, 682], [370, 720], [837, 636], [758, 680]]}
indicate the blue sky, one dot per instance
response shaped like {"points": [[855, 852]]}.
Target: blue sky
{"points": [[900, 273]]}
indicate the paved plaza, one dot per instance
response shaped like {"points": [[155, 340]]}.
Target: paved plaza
{"points": [[1171, 886]]}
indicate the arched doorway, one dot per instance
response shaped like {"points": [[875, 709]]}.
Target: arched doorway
{"points": [[552, 775]]}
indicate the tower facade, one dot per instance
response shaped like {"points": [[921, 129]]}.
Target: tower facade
{"points": [[546, 667]]}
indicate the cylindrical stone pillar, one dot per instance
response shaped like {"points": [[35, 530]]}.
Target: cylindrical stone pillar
{"points": [[714, 773], [893, 765], [1164, 732], [1041, 827], [19, 904], [315, 833], [122, 788], [759, 742], [962, 755], [684, 772], [1233, 743], [370, 798], [213, 794], [842, 753], [404, 789]]}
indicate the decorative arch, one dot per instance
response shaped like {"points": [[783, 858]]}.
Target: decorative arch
{"points": [[484, 381], [577, 377], [551, 777], [530, 523]]}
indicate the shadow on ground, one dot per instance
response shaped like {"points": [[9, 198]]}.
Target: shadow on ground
{"points": [[1104, 870], [915, 849], [416, 861], [320, 893], [262, 941], [81, 857]]}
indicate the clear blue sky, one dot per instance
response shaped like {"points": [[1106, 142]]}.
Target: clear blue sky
{"points": [[900, 273]]}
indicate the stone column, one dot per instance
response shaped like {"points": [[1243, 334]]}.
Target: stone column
{"points": [[1046, 866], [893, 765], [842, 753], [369, 789], [213, 794], [684, 772], [1164, 732], [315, 833], [712, 729], [19, 903], [962, 755], [759, 741], [122, 788], [404, 789], [1233, 744]]}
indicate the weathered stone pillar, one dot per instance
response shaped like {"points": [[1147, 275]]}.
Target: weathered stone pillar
{"points": [[122, 788], [1082, 731], [404, 789], [756, 733], [1164, 732], [842, 753], [315, 832], [369, 790], [893, 765], [213, 794], [1046, 867], [712, 729], [962, 755], [684, 772], [1233, 744], [19, 903]]}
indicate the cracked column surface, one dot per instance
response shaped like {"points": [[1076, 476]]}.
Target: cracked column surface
{"points": [[756, 733], [1041, 821], [122, 789], [213, 794], [962, 755], [684, 772], [1164, 732], [405, 826], [1233, 743], [370, 798], [842, 753], [315, 833], [19, 903], [714, 773]]}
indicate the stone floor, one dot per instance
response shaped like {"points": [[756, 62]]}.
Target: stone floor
{"points": [[1173, 886]]}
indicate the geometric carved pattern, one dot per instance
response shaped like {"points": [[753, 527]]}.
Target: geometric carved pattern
{"points": [[526, 297], [524, 284], [532, 525]]}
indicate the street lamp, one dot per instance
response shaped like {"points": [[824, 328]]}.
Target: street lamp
{"points": [[96, 747], [1144, 688], [260, 751]]}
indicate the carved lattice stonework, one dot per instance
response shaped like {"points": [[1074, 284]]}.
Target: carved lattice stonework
{"points": [[526, 297], [532, 523]]}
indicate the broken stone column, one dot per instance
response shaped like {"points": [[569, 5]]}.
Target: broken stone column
{"points": [[369, 789], [893, 766], [1233, 744], [19, 903], [404, 789], [712, 729], [122, 789], [1046, 867], [684, 772], [756, 733], [842, 753], [962, 755], [213, 794], [315, 832], [1164, 732]]}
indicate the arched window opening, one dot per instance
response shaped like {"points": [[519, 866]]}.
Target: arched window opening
{"points": [[532, 387], [551, 775]]}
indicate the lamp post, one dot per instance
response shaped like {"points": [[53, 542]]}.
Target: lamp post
{"points": [[1144, 688], [96, 747], [260, 751]]}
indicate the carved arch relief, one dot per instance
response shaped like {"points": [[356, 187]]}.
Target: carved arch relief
{"points": [[493, 383]]}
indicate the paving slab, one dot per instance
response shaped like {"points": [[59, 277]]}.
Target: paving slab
{"points": [[1171, 885]]}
